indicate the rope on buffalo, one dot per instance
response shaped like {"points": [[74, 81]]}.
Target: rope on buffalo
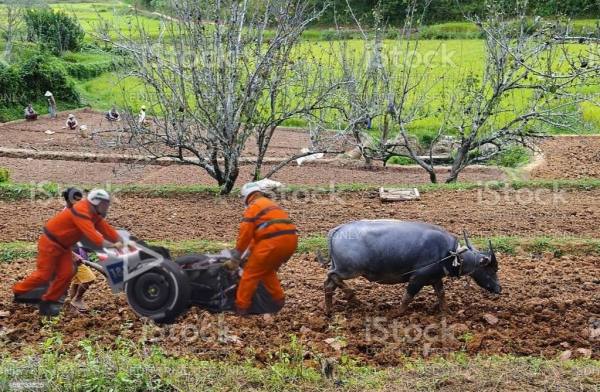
{"points": [[456, 263]]}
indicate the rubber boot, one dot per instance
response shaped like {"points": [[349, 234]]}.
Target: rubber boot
{"points": [[50, 308]]}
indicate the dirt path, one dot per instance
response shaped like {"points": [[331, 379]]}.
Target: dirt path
{"points": [[30, 135], [508, 212], [570, 157], [548, 305], [68, 172]]}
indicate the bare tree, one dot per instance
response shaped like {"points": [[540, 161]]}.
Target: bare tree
{"points": [[13, 17], [531, 83], [218, 73], [389, 88]]}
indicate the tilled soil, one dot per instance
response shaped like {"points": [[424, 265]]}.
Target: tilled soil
{"points": [[570, 157], [31, 135], [548, 305], [71, 172], [482, 212]]}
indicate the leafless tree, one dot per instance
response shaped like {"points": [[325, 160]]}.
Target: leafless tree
{"points": [[531, 83], [219, 73], [13, 17], [389, 87]]}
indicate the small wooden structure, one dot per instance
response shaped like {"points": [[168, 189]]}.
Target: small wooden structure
{"points": [[398, 194]]}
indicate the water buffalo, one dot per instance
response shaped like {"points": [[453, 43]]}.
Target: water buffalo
{"points": [[393, 251]]}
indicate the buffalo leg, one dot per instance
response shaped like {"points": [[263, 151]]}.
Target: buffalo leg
{"points": [[414, 286], [329, 287], [441, 305], [348, 292]]}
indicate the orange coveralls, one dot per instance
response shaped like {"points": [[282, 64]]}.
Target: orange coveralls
{"points": [[61, 232], [272, 239]]}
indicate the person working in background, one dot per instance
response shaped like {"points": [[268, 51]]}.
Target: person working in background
{"points": [[142, 117], [71, 122], [51, 104], [30, 113], [113, 114]]}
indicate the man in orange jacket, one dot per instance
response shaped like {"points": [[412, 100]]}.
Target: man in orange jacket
{"points": [[55, 258], [271, 238]]}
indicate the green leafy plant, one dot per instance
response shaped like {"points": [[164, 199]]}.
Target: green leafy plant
{"points": [[53, 30], [4, 174]]}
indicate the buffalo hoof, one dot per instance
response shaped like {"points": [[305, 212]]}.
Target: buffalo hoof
{"points": [[402, 309], [441, 308]]}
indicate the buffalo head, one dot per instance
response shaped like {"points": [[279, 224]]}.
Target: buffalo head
{"points": [[481, 266]]}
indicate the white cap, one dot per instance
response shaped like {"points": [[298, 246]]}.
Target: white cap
{"points": [[48, 94], [249, 189], [98, 195], [71, 116]]}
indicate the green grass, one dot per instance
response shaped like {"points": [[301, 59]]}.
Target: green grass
{"points": [[15, 191], [510, 245], [116, 14], [451, 60], [133, 366], [512, 158], [18, 250]]}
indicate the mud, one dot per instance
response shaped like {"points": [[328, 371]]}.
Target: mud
{"points": [[548, 305], [111, 139], [525, 212], [569, 157]]}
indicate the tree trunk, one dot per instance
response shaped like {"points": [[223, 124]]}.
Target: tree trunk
{"points": [[229, 181], [432, 176], [458, 164], [258, 167], [8, 49]]}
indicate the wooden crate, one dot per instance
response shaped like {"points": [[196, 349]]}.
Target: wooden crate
{"points": [[399, 194]]}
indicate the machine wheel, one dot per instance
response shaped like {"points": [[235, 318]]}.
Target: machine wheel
{"points": [[162, 293]]}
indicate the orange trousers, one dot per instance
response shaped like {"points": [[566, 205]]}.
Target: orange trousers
{"points": [[264, 261], [52, 261]]}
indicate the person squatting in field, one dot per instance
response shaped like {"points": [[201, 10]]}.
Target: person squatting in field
{"points": [[86, 218], [270, 238], [30, 113], [71, 122]]}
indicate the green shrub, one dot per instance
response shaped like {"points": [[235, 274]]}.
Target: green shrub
{"points": [[11, 85], [88, 71], [4, 174], [512, 157], [53, 30], [400, 160], [43, 72]]}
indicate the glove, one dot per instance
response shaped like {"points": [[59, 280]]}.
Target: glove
{"points": [[118, 245], [231, 265], [235, 255], [232, 254]]}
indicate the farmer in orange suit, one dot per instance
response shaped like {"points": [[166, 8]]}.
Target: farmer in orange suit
{"points": [[55, 259], [271, 239]]}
